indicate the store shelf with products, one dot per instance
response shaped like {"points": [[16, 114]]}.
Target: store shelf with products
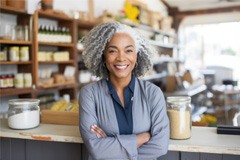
{"points": [[147, 28], [167, 60], [82, 27], [55, 45], [16, 53]]}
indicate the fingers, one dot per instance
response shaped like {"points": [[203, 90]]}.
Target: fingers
{"points": [[98, 131], [143, 138]]}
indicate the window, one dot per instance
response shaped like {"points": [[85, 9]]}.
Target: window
{"points": [[215, 44]]}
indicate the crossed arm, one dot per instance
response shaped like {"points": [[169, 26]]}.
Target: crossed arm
{"points": [[141, 138]]}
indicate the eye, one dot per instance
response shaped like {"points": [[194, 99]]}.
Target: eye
{"points": [[129, 50], [112, 51]]}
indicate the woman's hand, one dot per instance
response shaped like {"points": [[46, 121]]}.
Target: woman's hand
{"points": [[98, 131], [143, 138]]}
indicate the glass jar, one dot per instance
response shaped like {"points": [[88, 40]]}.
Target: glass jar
{"points": [[14, 53], [27, 77], [19, 33], [19, 80], [24, 53], [3, 81], [23, 113], [179, 112]]}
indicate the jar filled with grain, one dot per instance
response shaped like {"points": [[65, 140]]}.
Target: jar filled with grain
{"points": [[179, 112]]}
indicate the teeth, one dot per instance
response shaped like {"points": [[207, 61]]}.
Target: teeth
{"points": [[121, 67]]}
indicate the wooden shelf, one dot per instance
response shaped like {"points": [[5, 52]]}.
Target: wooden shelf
{"points": [[57, 86], [57, 62], [15, 42], [62, 21], [22, 18], [85, 24], [57, 44], [14, 62], [54, 15], [15, 91], [11, 10]]}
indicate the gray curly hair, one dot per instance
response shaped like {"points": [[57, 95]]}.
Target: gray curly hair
{"points": [[95, 41]]}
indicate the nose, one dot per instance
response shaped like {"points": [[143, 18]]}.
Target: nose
{"points": [[121, 56]]}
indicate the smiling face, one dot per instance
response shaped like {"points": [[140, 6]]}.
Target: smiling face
{"points": [[120, 56]]}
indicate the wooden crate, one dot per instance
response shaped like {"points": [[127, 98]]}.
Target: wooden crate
{"points": [[59, 117]]}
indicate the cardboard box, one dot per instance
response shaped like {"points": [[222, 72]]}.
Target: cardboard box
{"points": [[171, 84], [59, 117]]}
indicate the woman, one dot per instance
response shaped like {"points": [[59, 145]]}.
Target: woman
{"points": [[121, 116]]}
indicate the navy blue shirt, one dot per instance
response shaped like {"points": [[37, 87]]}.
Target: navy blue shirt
{"points": [[124, 114]]}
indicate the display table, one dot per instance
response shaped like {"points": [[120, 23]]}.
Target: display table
{"points": [[203, 139]]}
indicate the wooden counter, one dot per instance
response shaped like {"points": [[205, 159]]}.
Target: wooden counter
{"points": [[203, 139], [45, 132]]}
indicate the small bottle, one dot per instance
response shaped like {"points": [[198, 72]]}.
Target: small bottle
{"points": [[40, 33], [26, 35], [180, 116], [19, 33], [68, 35]]}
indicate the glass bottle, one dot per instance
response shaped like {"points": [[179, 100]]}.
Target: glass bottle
{"points": [[179, 111]]}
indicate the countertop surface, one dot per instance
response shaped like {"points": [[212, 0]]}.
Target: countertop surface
{"points": [[203, 139]]}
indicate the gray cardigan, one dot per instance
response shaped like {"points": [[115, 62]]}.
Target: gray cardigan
{"points": [[149, 114]]}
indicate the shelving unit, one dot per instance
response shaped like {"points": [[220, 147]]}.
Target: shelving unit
{"points": [[33, 65], [62, 21], [22, 18], [82, 27], [163, 48]]}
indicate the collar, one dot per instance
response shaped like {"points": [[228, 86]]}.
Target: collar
{"points": [[131, 85]]}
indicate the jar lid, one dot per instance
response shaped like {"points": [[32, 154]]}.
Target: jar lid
{"points": [[178, 99], [21, 102]]}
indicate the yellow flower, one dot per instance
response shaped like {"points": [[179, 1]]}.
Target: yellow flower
{"points": [[132, 12]]}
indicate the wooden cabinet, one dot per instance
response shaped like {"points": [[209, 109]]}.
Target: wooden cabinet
{"points": [[12, 148], [34, 65], [54, 48], [26, 66]]}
